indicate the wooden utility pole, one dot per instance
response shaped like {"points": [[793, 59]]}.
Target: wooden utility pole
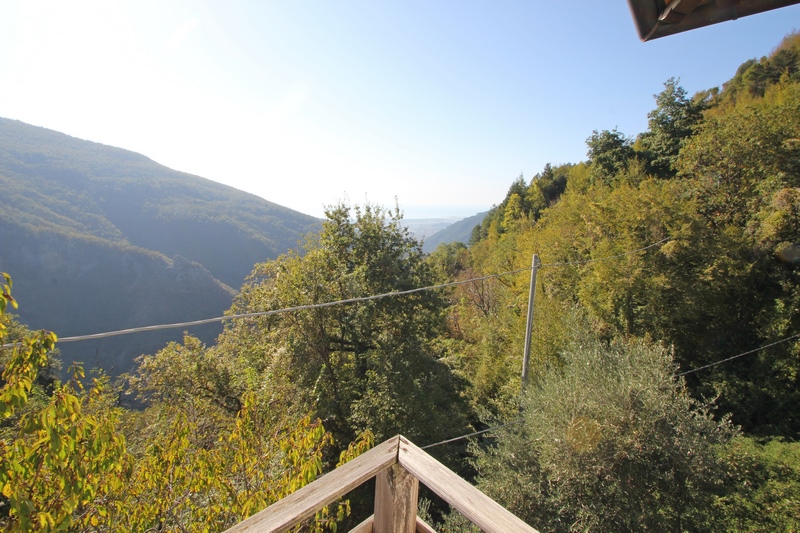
{"points": [[531, 297]]}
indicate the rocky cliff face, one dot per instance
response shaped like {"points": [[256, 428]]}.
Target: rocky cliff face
{"points": [[78, 286]]}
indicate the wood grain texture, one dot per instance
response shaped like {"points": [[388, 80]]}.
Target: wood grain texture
{"points": [[396, 493], [481, 510], [423, 527], [366, 526], [284, 514]]}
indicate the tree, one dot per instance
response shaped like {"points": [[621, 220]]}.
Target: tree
{"points": [[609, 154], [745, 172], [671, 123], [513, 212], [551, 183], [367, 365], [65, 464], [447, 260], [611, 442], [64, 453], [192, 478], [765, 478]]}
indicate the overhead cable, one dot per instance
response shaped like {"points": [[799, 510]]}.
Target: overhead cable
{"points": [[275, 311], [474, 433], [201, 322], [519, 420], [738, 356]]}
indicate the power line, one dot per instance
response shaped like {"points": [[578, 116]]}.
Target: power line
{"points": [[737, 356], [448, 441], [519, 420], [276, 311], [201, 322]]}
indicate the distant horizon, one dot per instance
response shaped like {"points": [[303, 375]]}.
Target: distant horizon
{"points": [[441, 212], [441, 105]]}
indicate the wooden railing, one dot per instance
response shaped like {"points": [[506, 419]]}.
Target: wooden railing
{"points": [[398, 466]]}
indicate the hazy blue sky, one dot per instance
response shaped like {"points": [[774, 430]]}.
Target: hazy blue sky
{"points": [[438, 103]]}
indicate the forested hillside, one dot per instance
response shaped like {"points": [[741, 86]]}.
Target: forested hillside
{"points": [[126, 241], [713, 184], [665, 352], [460, 231], [668, 258]]}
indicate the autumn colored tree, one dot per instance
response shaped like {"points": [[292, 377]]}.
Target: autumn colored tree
{"points": [[60, 455]]}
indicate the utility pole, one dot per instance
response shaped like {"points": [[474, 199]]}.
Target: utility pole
{"points": [[531, 296]]}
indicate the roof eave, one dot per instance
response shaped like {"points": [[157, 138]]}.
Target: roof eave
{"points": [[646, 15]]}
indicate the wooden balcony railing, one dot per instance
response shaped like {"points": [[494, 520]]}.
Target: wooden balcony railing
{"points": [[399, 467]]}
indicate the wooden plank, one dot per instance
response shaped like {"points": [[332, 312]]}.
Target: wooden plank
{"points": [[364, 527], [284, 514], [481, 510], [423, 527], [396, 493]]}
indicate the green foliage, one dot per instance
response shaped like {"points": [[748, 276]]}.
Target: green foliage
{"points": [[743, 156], [66, 458], [551, 183], [705, 262], [745, 167], [196, 463], [213, 448], [721, 280], [609, 442], [448, 260], [609, 154], [189, 479], [765, 486], [754, 77], [718, 277], [523, 204], [59, 459], [670, 125], [370, 365]]}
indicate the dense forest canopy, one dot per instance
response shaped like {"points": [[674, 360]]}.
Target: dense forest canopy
{"points": [[665, 361], [715, 180]]}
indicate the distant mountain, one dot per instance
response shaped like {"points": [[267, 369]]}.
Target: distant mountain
{"points": [[98, 238], [421, 228], [461, 231]]}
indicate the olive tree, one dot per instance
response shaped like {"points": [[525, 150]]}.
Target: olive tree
{"points": [[610, 442]]}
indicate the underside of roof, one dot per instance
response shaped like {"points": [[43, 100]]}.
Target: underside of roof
{"points": [[659, 18]]}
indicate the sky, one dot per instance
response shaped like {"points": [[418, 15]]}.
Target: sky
{"points": [[437, 105]]}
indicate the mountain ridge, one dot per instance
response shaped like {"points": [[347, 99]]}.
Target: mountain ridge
{"points": [[460, 231], [99, 238]]}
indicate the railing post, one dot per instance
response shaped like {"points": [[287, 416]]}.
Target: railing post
{"points": [[396, 493]]}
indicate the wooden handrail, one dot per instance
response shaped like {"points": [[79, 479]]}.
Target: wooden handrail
{"points": [[366, 526], [399, 466], [296, 507], [477, 507]]}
